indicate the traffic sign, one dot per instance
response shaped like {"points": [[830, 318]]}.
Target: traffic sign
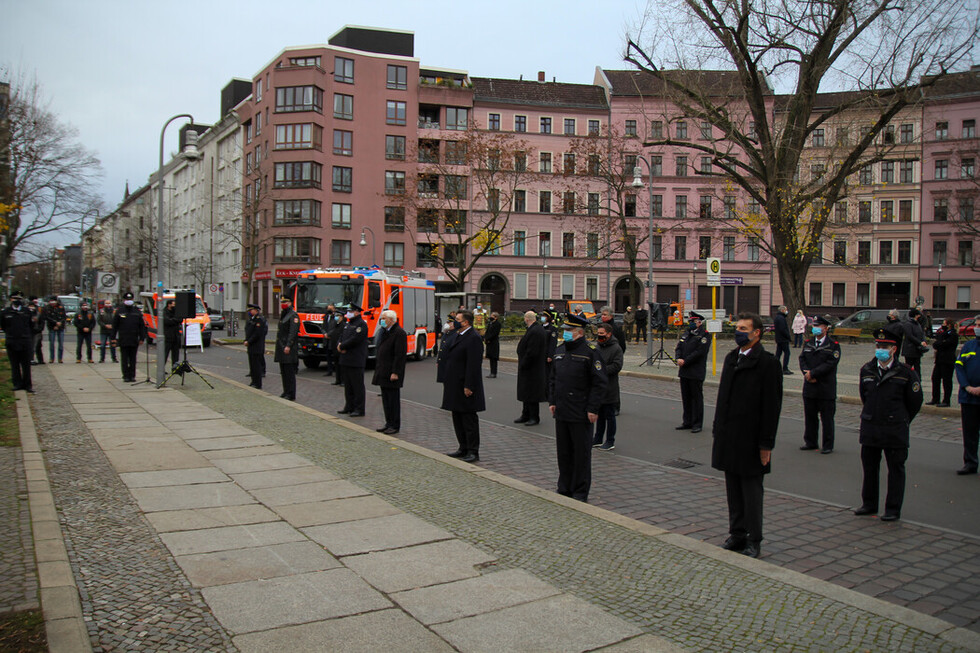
{"points": [[714, 266], [713, 281], [731, 281], [213, 288]]}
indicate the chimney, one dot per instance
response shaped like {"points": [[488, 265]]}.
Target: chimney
{"points": [[541, 76]]}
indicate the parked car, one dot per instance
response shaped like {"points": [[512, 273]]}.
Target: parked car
{"points": [[217, 319], [868, 319], [967, 328]]}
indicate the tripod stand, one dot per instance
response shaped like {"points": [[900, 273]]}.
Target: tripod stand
{"points": [[658, 317], [148, 380], [184, 367]]}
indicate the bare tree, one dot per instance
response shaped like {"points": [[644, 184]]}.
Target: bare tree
{"points": [[885, 51], [47, 178]]}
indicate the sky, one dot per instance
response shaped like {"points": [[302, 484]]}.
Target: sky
{"points": [[117, 70]]}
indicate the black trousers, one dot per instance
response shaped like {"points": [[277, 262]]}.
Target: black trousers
{"points": [[915, 362], [744, 506], [172, 350], [824, 409], [19, 355], [392, 406], [255, 367], [641, 331], [467, 428], [288, 373], [942, 375], [871, 462], [782, 349], [692, 397], [574, 445], [493, 365], [531, 410], [84, 339], [106, 338], [127, 361], [970, 416], [353, 378], [331, 358]]}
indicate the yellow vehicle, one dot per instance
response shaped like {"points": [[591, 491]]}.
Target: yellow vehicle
{"points": [[583, 305], [149, 301]]}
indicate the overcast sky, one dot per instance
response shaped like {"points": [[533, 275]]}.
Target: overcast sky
{"points": [[118, 69]]}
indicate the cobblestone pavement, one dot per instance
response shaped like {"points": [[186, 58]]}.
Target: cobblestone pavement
{"points": [[134, 597], [18, 573], [698, 602]]}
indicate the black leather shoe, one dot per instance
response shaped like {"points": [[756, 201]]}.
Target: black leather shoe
{"points": [[491, 376], [470, 458], [931, 403], [459, 453], [682, 427], [291, 398], [343, 411], [807, 447], [943, 404], [826, 450], [966, 471], [889, 516], [787, 372], [356, 415], [734, 543], [282, 396], [751, 550], [30, 391], [865, 510], [382, 429], [532, 422], [335, 383], [696, 429], [520, 420], [390, 431]]}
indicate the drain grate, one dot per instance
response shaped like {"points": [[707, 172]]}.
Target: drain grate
{"points": [[681, 463]]}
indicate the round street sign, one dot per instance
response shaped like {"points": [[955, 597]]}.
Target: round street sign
{"points": [[714, 266], [245, 276], [213, 288]]}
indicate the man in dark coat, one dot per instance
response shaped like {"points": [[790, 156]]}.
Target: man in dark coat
{"points": [[105, 331], [55, 319], [491, 343], [532, 366], [641, 323], [968, 376], [389, 369], [286, 353], [256, 329], [818, 362], [548, 322], [612, 361], [915, 341], [750, 398], [575, 392], [128, 331], [84, 324], [17, 323], [171, 332], [353, 349], [942, 372], [336, 329], [37, 322], [462, 385], [783, 337], [606, 315], [692, 354], [330, 323], [892, 396]]}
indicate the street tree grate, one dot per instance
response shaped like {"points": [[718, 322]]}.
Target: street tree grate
{"points": [[681, 463]]}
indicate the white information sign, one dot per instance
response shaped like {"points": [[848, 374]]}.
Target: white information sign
{"points": [[713, 326], [108, 282], [193, 334]]}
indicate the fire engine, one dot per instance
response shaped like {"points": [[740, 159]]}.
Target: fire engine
{"points": [[411, 298], [149, 300]]}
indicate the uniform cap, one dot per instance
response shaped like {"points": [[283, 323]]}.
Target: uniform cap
{"points": [[354, 307], [697, 315], [127, 295], [249, 307], [889, 335], [575, 322], [17, 295], [822, 320]]}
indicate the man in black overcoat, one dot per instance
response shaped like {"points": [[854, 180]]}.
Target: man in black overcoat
{"points": [[353, 349], [389, 369], [84, 323], [462, 385], [491, 343], [783, 337], [942, 372], [336, 329], [287, 355], [532, 369], [818, 362], [330, 323], [692, 354], [17, 323], [256, 329], [171, 332], [750, 398], [128, 331]]}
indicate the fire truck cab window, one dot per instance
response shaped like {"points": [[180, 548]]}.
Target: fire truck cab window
{"points": [[374, 295], [315, 296]]}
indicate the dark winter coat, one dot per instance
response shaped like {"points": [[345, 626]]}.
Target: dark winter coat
{"points": [[491, 339], [105, 321], [821, 361], [446, 339], [128, 327], [782, 332], [84, 320], [617, 334], [256, 329], [914, 336], [286, 337], [354, 342], [945, 345], [578, 381], [389, 357], [171, 324], [612, 360], [55, 318], [17, 325], [750, 398], [891, 400], [462, 360], [532, 366], [693, 348]]}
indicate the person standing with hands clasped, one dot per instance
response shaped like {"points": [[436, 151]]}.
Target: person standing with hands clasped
{"points": [[750, 398], [892, 396], [16, 321], [532, 379], [128, 330], [460, 371], [612, 360], [286, 354], [576, 390], [942, 372], [491, 343], [692, 355], [389, 369], [818, 362], [84, 324], [105, 331], [968, 376], [799, 328], [256, 328], [353, 348]]}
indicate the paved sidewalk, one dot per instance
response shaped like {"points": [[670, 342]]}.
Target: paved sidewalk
{"points": [[230, 520]]}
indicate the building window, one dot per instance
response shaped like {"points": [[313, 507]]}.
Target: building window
{"points": [[544, 286], [942, 168], [887, 172], [967, 169], [568, 202], [680, 165], [818, 138], [680, 248], [592, 288], [426, 255], [887, 211], [455, 187], [304, 61], [940, 209], [963, 297], [493, 122], [966, 209], [905, 252], [705, 165], [343, 70], [520, 123], [568, 245], [544, 160], [885, 252], [544, 243], [939, 296], [258, 94], [728, 248], [427, 221], [457, 118], [340, 218], [593, 128], [864, 252], [394, 182], [545, 126], [544, 201], [456, 155], [340, 253], [520, 243], [343, 142], [299, 137], [394, 218], [297, 98], [753, 248], [343, 179], [905, 133], [569, 126], [866, 176], [296, 250], [297, 212], [816, 294], [343, 106], [520, 285], [843, 136], [906, 172], [395, 255], [630, 128], [656, 165], [889, 135], [729, 204], [397, 77], [705, 130], [840, 212], [838, 294], [905, 210], [593, 204], [704, 247], [680, 130], [656, 129], [864, 211], [592, 245], [567, 286], [395, 112], [454, 255], [657, 248], [939, 252], [840, 252], [942, 131], [629, 164], [965, 253], [969, 128], [629, 205], [863, 297], [680, 206], [568, 163], [298, 174], [520, 201], [657, 208], [395, 147], [520, 161], [704, 210], [455, 222]]}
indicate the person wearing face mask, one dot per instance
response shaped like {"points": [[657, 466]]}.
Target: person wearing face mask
{"points": [[818, 362], [172, 327], [750, 398], [576, 389], [799, 329], [286, 354], [128, 331], [491, 343], [256, 329], [942, 372], [612, 360], [968, 376], [16, 322], [330, 320], [892, 396], [532, 367], [105, 331], [389, 369], [84, 323], [692, 355], [915, 341], [783, 337], [548, 322], [55, 318], [353, 349], [38, 329], [462, 385], [629, 323]]}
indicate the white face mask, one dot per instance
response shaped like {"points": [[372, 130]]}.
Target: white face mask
{"points": [[128, 302], [349, 314]]}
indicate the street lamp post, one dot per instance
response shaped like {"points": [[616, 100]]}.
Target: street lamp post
{"points": [[940, 287], [638, 183], [363, 243], [190, 154]]}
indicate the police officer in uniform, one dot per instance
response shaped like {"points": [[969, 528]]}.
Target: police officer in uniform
{"points": [[692, 354], [128, 331], [17, 323], [818, 362], [256, 329], [575, 392], [892, 396], [353, 348], [286, 354]]}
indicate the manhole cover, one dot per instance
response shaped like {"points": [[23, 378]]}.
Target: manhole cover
{"points": [[681, 463]]}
